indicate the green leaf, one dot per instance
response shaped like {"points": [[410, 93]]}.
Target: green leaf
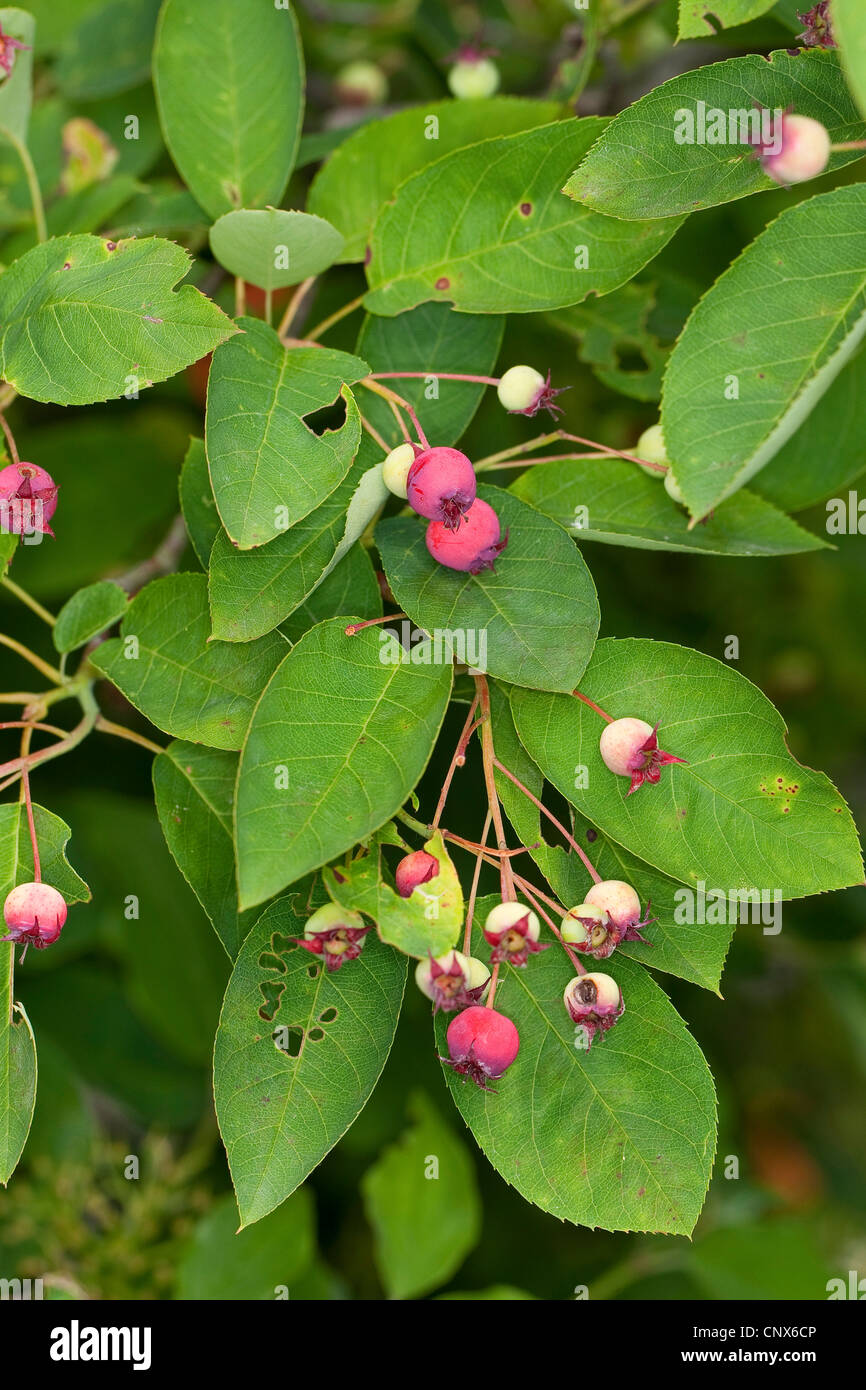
{"points": [[422, 1200], [110, 50], [18, 1070], [638, 169], [426, 923], [88, 613], [614, 501], [849, 31], [694, 951], [826, 452], [105, 316], [431, 339], [613, 327], [532, 620], [279, 1114], [223, 1263], [197, 502], [123, 848], [165, 664], [698, 18], [17, 1044], [230, 92], [620, 1137], [719, 435], [487, 229], [195, 792], [770, 1260], [351, 585], [16, 856], [253, 591], [268, 469], [740, 814], [16, 90], [363, 174], [87, 457], [337, 742], [273, 248]]}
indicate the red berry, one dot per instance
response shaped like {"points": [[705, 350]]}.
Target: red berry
{"points": [[415, 868], [482, 1044], [28, 499], [474, 547], [441, 486], [34, 914]]}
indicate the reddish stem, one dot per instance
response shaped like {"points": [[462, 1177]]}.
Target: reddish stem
{"points": [[586, 700], [473, 892], [28, 802], [494, 981], [354, 628], [440, 376], [506, 876], [529, 893], [596, 877], [458, 760]]}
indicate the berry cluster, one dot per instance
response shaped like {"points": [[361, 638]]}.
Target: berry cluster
{"points": [[483, 1043], [439, 484]]}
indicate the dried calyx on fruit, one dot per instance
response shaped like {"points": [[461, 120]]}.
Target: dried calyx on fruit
{"points": [[482, 1044], [611, 914], [395, 467], [452, 981], [524, 391], [28, 500], [335, 934], [513, 931], [630, 748], [414, 869], [594, 1002], [441, 485], [35, 914], [798, 149], [474, 547], [361, 84]]}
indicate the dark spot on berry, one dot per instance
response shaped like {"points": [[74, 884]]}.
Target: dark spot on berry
{"points": [[443, 283]]}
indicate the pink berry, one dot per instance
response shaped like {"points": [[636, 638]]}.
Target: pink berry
{"points": [[630, 748], [594, 1002], [418, 867], [335, 933], [621, 906], [28, 499], [34, 914], [482, 1044], [441, 485], [474, 547], [799, 150], [513, 931]]}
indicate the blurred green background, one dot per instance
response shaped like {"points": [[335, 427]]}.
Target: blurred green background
{"points": [[125, 1010]]}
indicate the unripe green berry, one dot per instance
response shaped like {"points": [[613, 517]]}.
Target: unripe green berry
{"points": [[672, 488], [651, 446], [519, 387], [471, 79], [584, 926], [395, 468], [361, 84]]}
